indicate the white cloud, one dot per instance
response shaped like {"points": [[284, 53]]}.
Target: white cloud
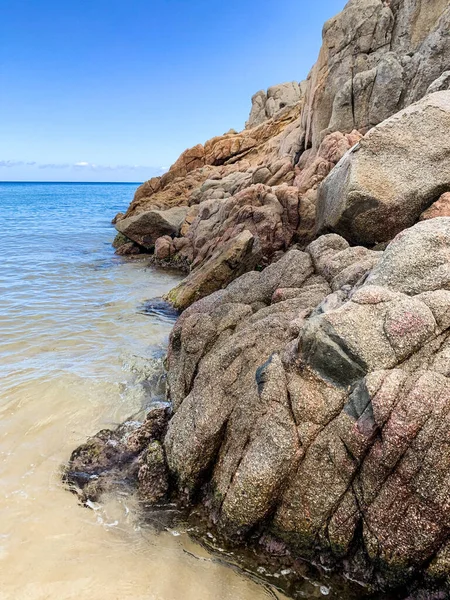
{"points": [[11, 163], [53, 165]]}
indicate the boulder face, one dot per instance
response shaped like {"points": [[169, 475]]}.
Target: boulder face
{"points": [[391, 176], [417, 260], [227, 262], [377, 57], [323, 416], [145, 228], [265, 105]]}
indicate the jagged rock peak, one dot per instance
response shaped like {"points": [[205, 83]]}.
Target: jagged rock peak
{"points": [[377, 57], [266, 105]]}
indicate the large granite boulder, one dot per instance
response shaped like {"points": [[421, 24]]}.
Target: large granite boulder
{"points": [[417, 260], [145, 228], [394, 173], [239, 255]]}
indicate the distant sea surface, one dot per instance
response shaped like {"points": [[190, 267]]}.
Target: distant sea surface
{"points": [[74, 352]]}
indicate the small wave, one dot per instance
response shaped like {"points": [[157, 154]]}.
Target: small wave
{"points": [[157, 307]]}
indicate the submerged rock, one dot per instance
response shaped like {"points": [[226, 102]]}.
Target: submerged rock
{"points": [[130, 455]]}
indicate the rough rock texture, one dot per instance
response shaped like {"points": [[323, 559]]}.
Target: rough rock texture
{"points": [[271, 214], [311, 404], [228, 261], [311, 399], [217, 158], [417, 260], [440, 208], [377, 57], [145, 228], [130, 455], [164, 247], [315, 167], [323, 414], [265, 105], [395, 172]]}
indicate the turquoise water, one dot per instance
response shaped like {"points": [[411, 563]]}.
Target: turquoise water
{"points": [[59, 277]]}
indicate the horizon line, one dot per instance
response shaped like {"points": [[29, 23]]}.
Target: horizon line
{"points": [[74, 182]]}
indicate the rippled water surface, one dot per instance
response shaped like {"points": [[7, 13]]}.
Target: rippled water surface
{"points": [[73, 352]]}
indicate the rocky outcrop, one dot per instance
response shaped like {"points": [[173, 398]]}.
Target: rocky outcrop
{"points": [[272, 214], [377, 58], [312, 404], [382, 183], [323, 416], [128, 456], [265, 105], [394, 173], [216, 159], [308, 373]]}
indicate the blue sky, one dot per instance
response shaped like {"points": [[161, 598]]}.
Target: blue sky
{"points": [[115, 90]]}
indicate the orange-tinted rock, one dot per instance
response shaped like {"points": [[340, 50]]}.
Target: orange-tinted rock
{"points": [[191, 159], [331, 150], [218, 157], [440, 208]]}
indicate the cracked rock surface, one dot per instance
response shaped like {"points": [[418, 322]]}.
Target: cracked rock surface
{"points": [[378, 57], [319, 415], [316, 414]]}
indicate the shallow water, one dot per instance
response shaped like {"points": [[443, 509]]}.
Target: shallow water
{"points": [[74, 350]]}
